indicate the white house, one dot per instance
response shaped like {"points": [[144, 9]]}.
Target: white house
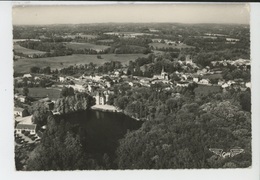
{"points": [[108, 84], [225, 85], [20, 98], [27, 75], [25, 120], [26, 127], [131, 84], [204, 81], [248, 84], [221, 82], [231, 82], [19, 112], [62, 79], [77, 87], [37, 78], [182, 84], [195, 79], [116, 73]]}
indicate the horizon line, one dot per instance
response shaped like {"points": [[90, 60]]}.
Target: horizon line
{"points": [[222, 23]]}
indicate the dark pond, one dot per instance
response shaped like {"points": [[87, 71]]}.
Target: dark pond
{"points": [[103, 129]]}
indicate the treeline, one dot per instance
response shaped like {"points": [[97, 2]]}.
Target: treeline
{"points": [[205, 58], [235, 73], [130, 49], [30, 82], [213, 50], [91, 68], [152, 65], [52, 49], [59, 49]]}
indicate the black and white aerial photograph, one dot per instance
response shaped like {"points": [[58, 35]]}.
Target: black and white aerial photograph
{"points": [[131, 87]]}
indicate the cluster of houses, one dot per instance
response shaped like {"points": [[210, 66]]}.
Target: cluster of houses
{"points": [[24, 121], [128, 34], [238, 62], [32, 80], [101, 86], [166, 41]]}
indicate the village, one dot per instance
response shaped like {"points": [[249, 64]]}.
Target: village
{"points": [[101, 87]]}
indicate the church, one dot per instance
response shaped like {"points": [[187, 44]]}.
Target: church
{"points": [[163, 76]]}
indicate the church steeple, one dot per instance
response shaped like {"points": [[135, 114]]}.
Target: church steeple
{"points": [[164, 75], [162, 70]]}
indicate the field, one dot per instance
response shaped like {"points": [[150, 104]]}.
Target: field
{"points": [[26, 51], [40, 93], [205, 90], [24, 65], [213, 76], [164, 45], [76, 46], [106, 40]]}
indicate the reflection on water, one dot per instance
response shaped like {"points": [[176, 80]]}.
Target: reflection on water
{"points": [[103, 129]]}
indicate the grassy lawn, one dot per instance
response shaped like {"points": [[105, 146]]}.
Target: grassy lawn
{"points": [[40, 93], [213, 76], [164, 45], [24, 65], [26, 51], [205, 90], [106, 40], [76, 46]]}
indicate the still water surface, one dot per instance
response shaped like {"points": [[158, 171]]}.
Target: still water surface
{"points": [[103, 129]]}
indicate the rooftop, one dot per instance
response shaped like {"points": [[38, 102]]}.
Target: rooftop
{"points": [[18, 109], [24, 120], [26, 126]]}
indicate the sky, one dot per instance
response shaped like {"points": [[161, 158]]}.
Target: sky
{"points": [[180, 13]]}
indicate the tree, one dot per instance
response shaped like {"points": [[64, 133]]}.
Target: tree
{"points": [[67, 91], [121, 102], [245, 101], [40, 114], [34, 69], [25, 91]]}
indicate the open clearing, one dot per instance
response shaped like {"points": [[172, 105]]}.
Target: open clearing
{"points": [[40, 93], [24, 65], [77, 46], [213, 76], [26, 51], [164, 45]]}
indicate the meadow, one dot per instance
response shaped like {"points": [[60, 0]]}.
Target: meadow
{"points": [[40, 93], [26, 51], [213, 76], [77, 46], [24, 65]]}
